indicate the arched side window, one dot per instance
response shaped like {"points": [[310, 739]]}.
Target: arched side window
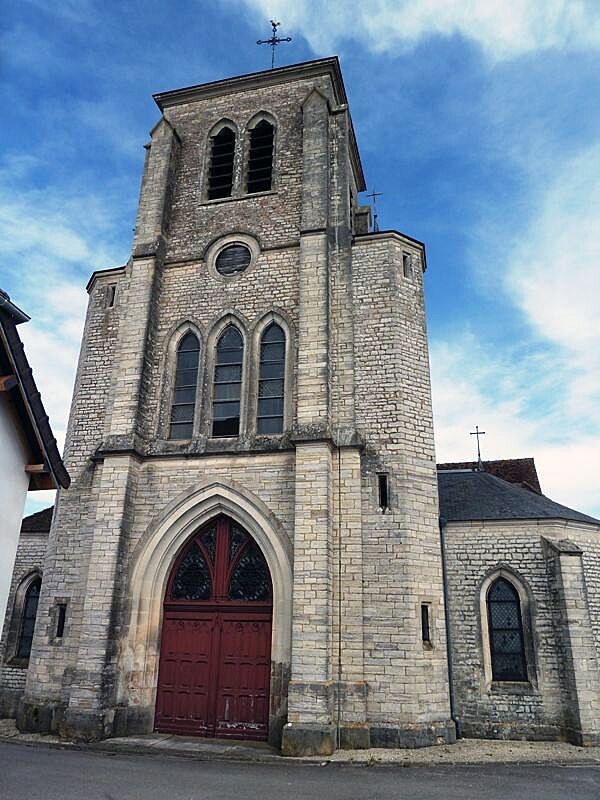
{"points": [[505, 623], [186, 385], [260, 158], [228, 383], [271, 383], [222, 153], [30, 606]]}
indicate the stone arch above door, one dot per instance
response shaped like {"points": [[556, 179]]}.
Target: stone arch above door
{"points": [[150, 567]]}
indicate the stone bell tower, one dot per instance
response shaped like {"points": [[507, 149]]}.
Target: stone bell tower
{"points": [[248, 217]]}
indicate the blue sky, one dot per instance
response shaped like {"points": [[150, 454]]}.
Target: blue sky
{"points": [[478, 121]]}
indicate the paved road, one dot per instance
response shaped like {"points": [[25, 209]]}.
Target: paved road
{"points": [[37, 773]]}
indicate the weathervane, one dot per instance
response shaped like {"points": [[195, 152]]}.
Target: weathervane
{"points": [[374, 195], [478, 433], [274, 40]]}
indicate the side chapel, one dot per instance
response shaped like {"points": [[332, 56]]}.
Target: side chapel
{"points": [[252, 545]]}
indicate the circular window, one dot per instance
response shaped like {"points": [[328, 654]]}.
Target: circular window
{"points": [[233, 259]]}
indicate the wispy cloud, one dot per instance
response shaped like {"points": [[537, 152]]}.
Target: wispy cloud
{"points": [[51, 238], [539, 396], [503, 30]]}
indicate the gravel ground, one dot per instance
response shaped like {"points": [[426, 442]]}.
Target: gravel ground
{"points": [[465, 751]]}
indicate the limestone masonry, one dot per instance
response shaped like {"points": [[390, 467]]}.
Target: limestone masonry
{"points": [[339, 500]]}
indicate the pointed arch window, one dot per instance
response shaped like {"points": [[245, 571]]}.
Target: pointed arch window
{"points": [[271, 383], [30, 606], [222, 152], [186, 384], [505, 624], [260, 159], [228, 383]]}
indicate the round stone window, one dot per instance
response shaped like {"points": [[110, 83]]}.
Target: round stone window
{"points": [[233, 259]]}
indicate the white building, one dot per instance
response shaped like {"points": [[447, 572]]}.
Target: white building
{"points": [[29, 458]]}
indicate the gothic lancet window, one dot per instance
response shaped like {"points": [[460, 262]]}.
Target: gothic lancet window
{"points": [[186, 383], [228, 383], [506, 632], [220, 176], [30, 605], [271, 381], [260, 160]]}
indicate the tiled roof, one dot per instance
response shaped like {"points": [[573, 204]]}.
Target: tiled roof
{"points": [[468, 495], [39, 522], [513, 470], [35, 420]]}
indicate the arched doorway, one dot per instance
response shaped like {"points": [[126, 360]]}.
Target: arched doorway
{"points": [[215, 656]]}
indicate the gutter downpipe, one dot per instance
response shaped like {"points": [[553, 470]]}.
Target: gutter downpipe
{"points": [[453, 716]]}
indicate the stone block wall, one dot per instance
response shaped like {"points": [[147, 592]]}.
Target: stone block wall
{"points": [[543, 707], [402, 567], [29, 560]]}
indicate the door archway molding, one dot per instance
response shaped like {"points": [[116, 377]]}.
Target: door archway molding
{"points": [[151, 563]]}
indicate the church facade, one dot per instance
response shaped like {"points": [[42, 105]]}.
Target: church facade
{"points": [[251, 545]]}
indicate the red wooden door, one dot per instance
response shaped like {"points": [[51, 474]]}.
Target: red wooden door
{"points": [[215, 660]]}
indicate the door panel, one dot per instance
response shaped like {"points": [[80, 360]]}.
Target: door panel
{"points": [[242, 702], [183, 701]]}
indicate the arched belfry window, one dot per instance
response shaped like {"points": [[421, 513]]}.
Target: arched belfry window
{"points": [[30, 606], [505, 624], [222, 153], [229, 359], [271, 383], [186, 384], [260, 159]]}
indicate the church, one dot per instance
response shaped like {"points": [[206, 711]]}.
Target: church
{"points": [[257, 542]]}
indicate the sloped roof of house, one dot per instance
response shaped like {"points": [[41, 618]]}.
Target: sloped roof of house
{"points": [[513, 470], [39, 522], [27, 399], [470, 495]]}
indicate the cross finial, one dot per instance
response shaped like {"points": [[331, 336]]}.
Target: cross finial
{"points": [[478, 433], [375, 195], [274, 40]]}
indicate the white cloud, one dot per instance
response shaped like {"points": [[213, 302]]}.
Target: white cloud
{"points": [[502, 29], [540, 397], [50, 241]]}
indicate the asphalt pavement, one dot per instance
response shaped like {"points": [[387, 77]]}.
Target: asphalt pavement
{"points": [[31, 772]]}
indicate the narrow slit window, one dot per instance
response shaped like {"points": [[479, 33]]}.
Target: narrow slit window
{"points": [[61, 617], [220, 176], [271, 383], [186, 383], [260, 159], [407, 265], [30, 606], [111, 293], [382, 486], [506, 632], [228, 383], [425, 624]]}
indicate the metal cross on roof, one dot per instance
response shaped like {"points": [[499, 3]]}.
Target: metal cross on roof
{"points": [[478, 433], [374, 195], [274, 40]]}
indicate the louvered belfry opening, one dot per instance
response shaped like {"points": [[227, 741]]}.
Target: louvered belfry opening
{"points": [[228, 383], [260, 161], [271, 381], [220, 178], [186, 382]]}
